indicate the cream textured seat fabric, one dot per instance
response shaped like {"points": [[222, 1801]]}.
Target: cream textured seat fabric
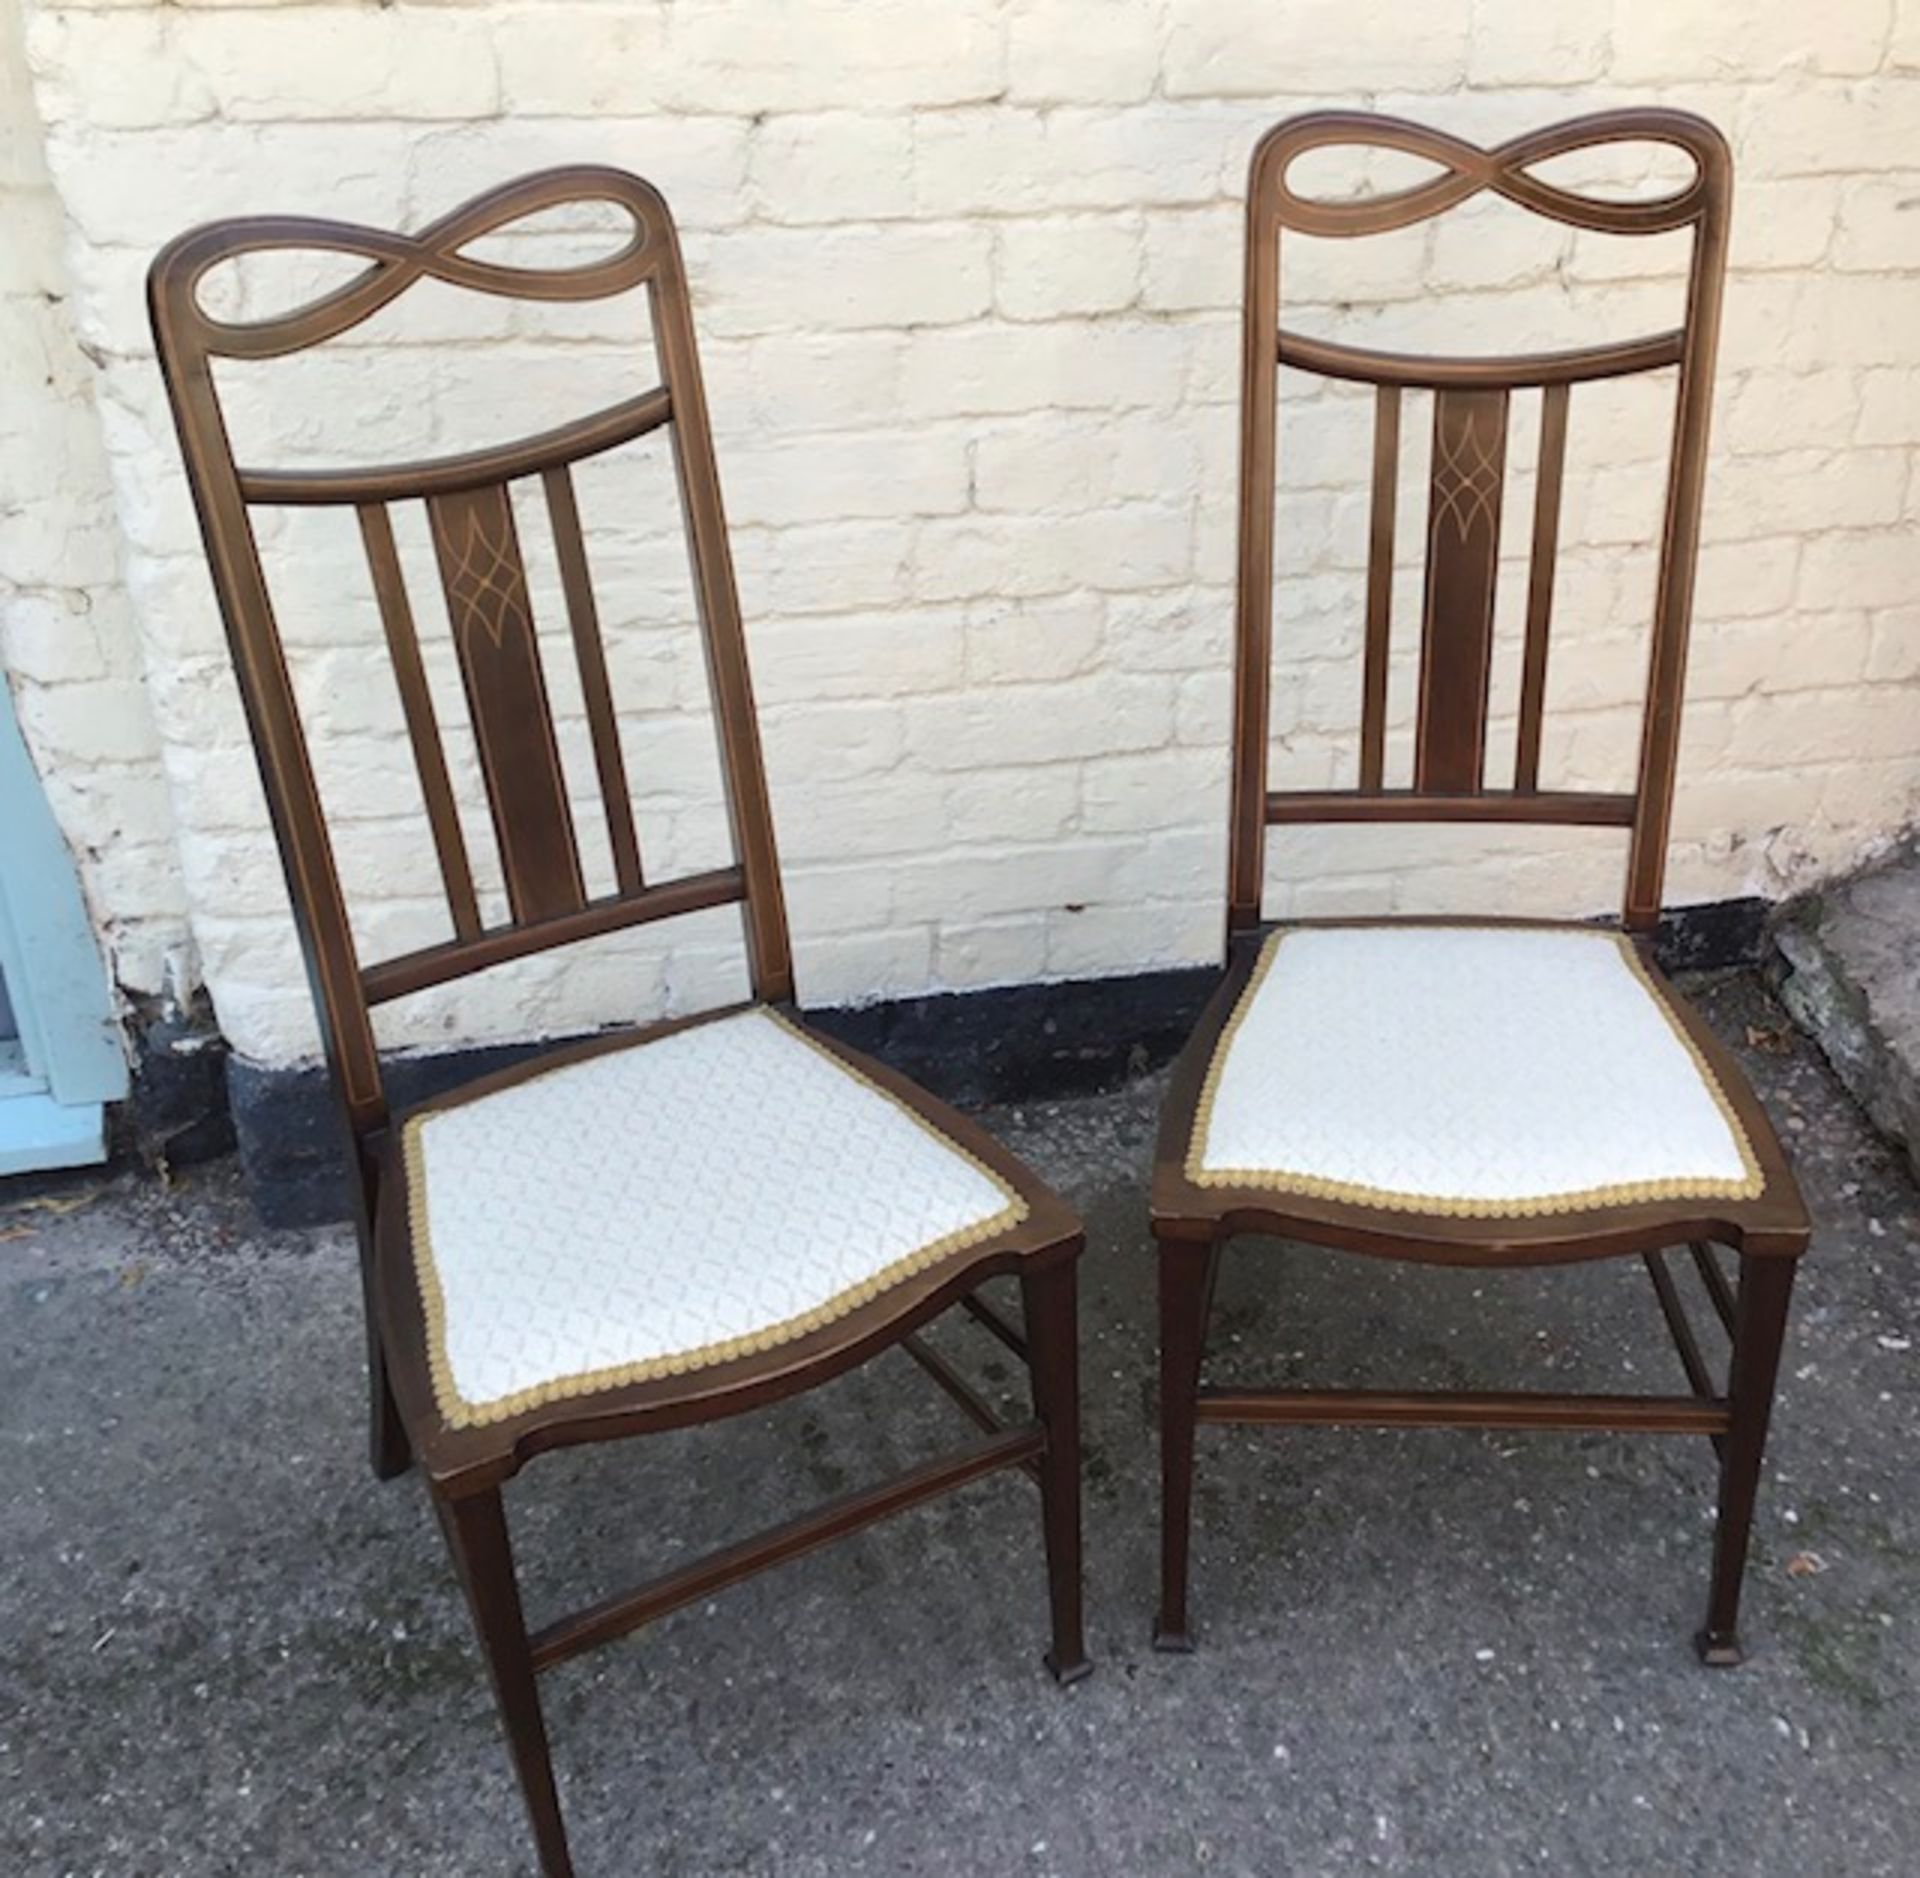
{"points": [[1475, 1071], [659, 1208]]}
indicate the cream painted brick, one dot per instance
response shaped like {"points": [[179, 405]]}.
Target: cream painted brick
{"points": [[990, 881], [1813, 726], [1082, 51], [1068, 365], [1870, 570], [855, 969], [557, 60], [1747, 579], [837, 567], [973, 956], [811, 382], [1767, 411], [1169, 932], [1809, 652], [865, 736], [1894, 655], [1889, 407], [1175, 788], [1654, 40], [1529, 45], [1187, 629], [339, 62], [1020, 642], [114, 74], [1193, 261], [822, 819], [1854, 798], [1802, 490], [1007, 161], [1880, 224], [1832, 129], [856, 656], [1049, 266], [847, 477], [132, 189], [838, 899], [768, 280], [1499, 248], [108, 722], [1041, 723], [1313, 48], [1025, 802], [1784, 224], [49, 638], [1903, 44], [815, 55], [1810, 321], [1067, 463], [840, 167], [698, 163], [1124, 546], [1203, 709]]}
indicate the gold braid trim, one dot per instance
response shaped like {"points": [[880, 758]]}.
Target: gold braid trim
{"points": [[459, 1412], [1455, 1206]]}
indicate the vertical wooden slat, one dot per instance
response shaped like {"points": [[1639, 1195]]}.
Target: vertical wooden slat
{"points": [[591, 654], [1386, 497], [1546, 542], [480, 566], [423, 725], [1463, 552]]}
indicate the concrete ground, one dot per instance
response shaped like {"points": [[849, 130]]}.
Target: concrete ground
{"points": [[225, 1649]]}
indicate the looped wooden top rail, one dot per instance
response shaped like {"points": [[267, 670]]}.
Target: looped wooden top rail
{"points": [[399, 260], [1506, 170]]}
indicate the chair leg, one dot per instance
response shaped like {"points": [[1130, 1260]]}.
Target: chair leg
{"points": [[1186, 1285], [1760, 1325], [1050, 1300], [476, 1529], [392, 1452]]}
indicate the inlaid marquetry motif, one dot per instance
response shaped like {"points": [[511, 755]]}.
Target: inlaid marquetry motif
{"points": [[478, 548], [1463, 551], [1466, 472], [485, 586]]}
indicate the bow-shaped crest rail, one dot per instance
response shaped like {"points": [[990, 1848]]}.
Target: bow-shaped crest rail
{"points": [[1506, 170], [399, 260]]}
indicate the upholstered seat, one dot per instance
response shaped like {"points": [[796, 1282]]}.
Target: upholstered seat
{"points": [[653, 1209], [1472, 1071]]}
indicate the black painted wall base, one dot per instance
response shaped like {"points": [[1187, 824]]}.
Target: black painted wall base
{"points": [[1016, 1043]]}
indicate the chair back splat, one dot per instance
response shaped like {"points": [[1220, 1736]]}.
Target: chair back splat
{"points": [[476, 545], [1471, 398]]}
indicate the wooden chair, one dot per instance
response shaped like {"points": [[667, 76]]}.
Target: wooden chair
{"points": [[648, 1230], [1460, 1093]]}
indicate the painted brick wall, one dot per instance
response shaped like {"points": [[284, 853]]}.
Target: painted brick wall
{"points": [[68, 643], [965, 277]]}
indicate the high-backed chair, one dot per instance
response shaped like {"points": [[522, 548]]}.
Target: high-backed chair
{"points": [[656, 1228], [1471, 1093]]}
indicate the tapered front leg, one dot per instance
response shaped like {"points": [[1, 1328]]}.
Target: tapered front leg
{"points": [[1051, 1302], [1759, 1330], [476, 1529], [1186, 1284]]}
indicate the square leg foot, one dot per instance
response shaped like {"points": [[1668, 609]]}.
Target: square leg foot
{"points": [[1720, 1649], [1172, 1642], [1076, 1669]]}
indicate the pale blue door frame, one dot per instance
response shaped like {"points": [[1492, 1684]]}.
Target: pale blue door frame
{"points": [[61, 1060]]}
